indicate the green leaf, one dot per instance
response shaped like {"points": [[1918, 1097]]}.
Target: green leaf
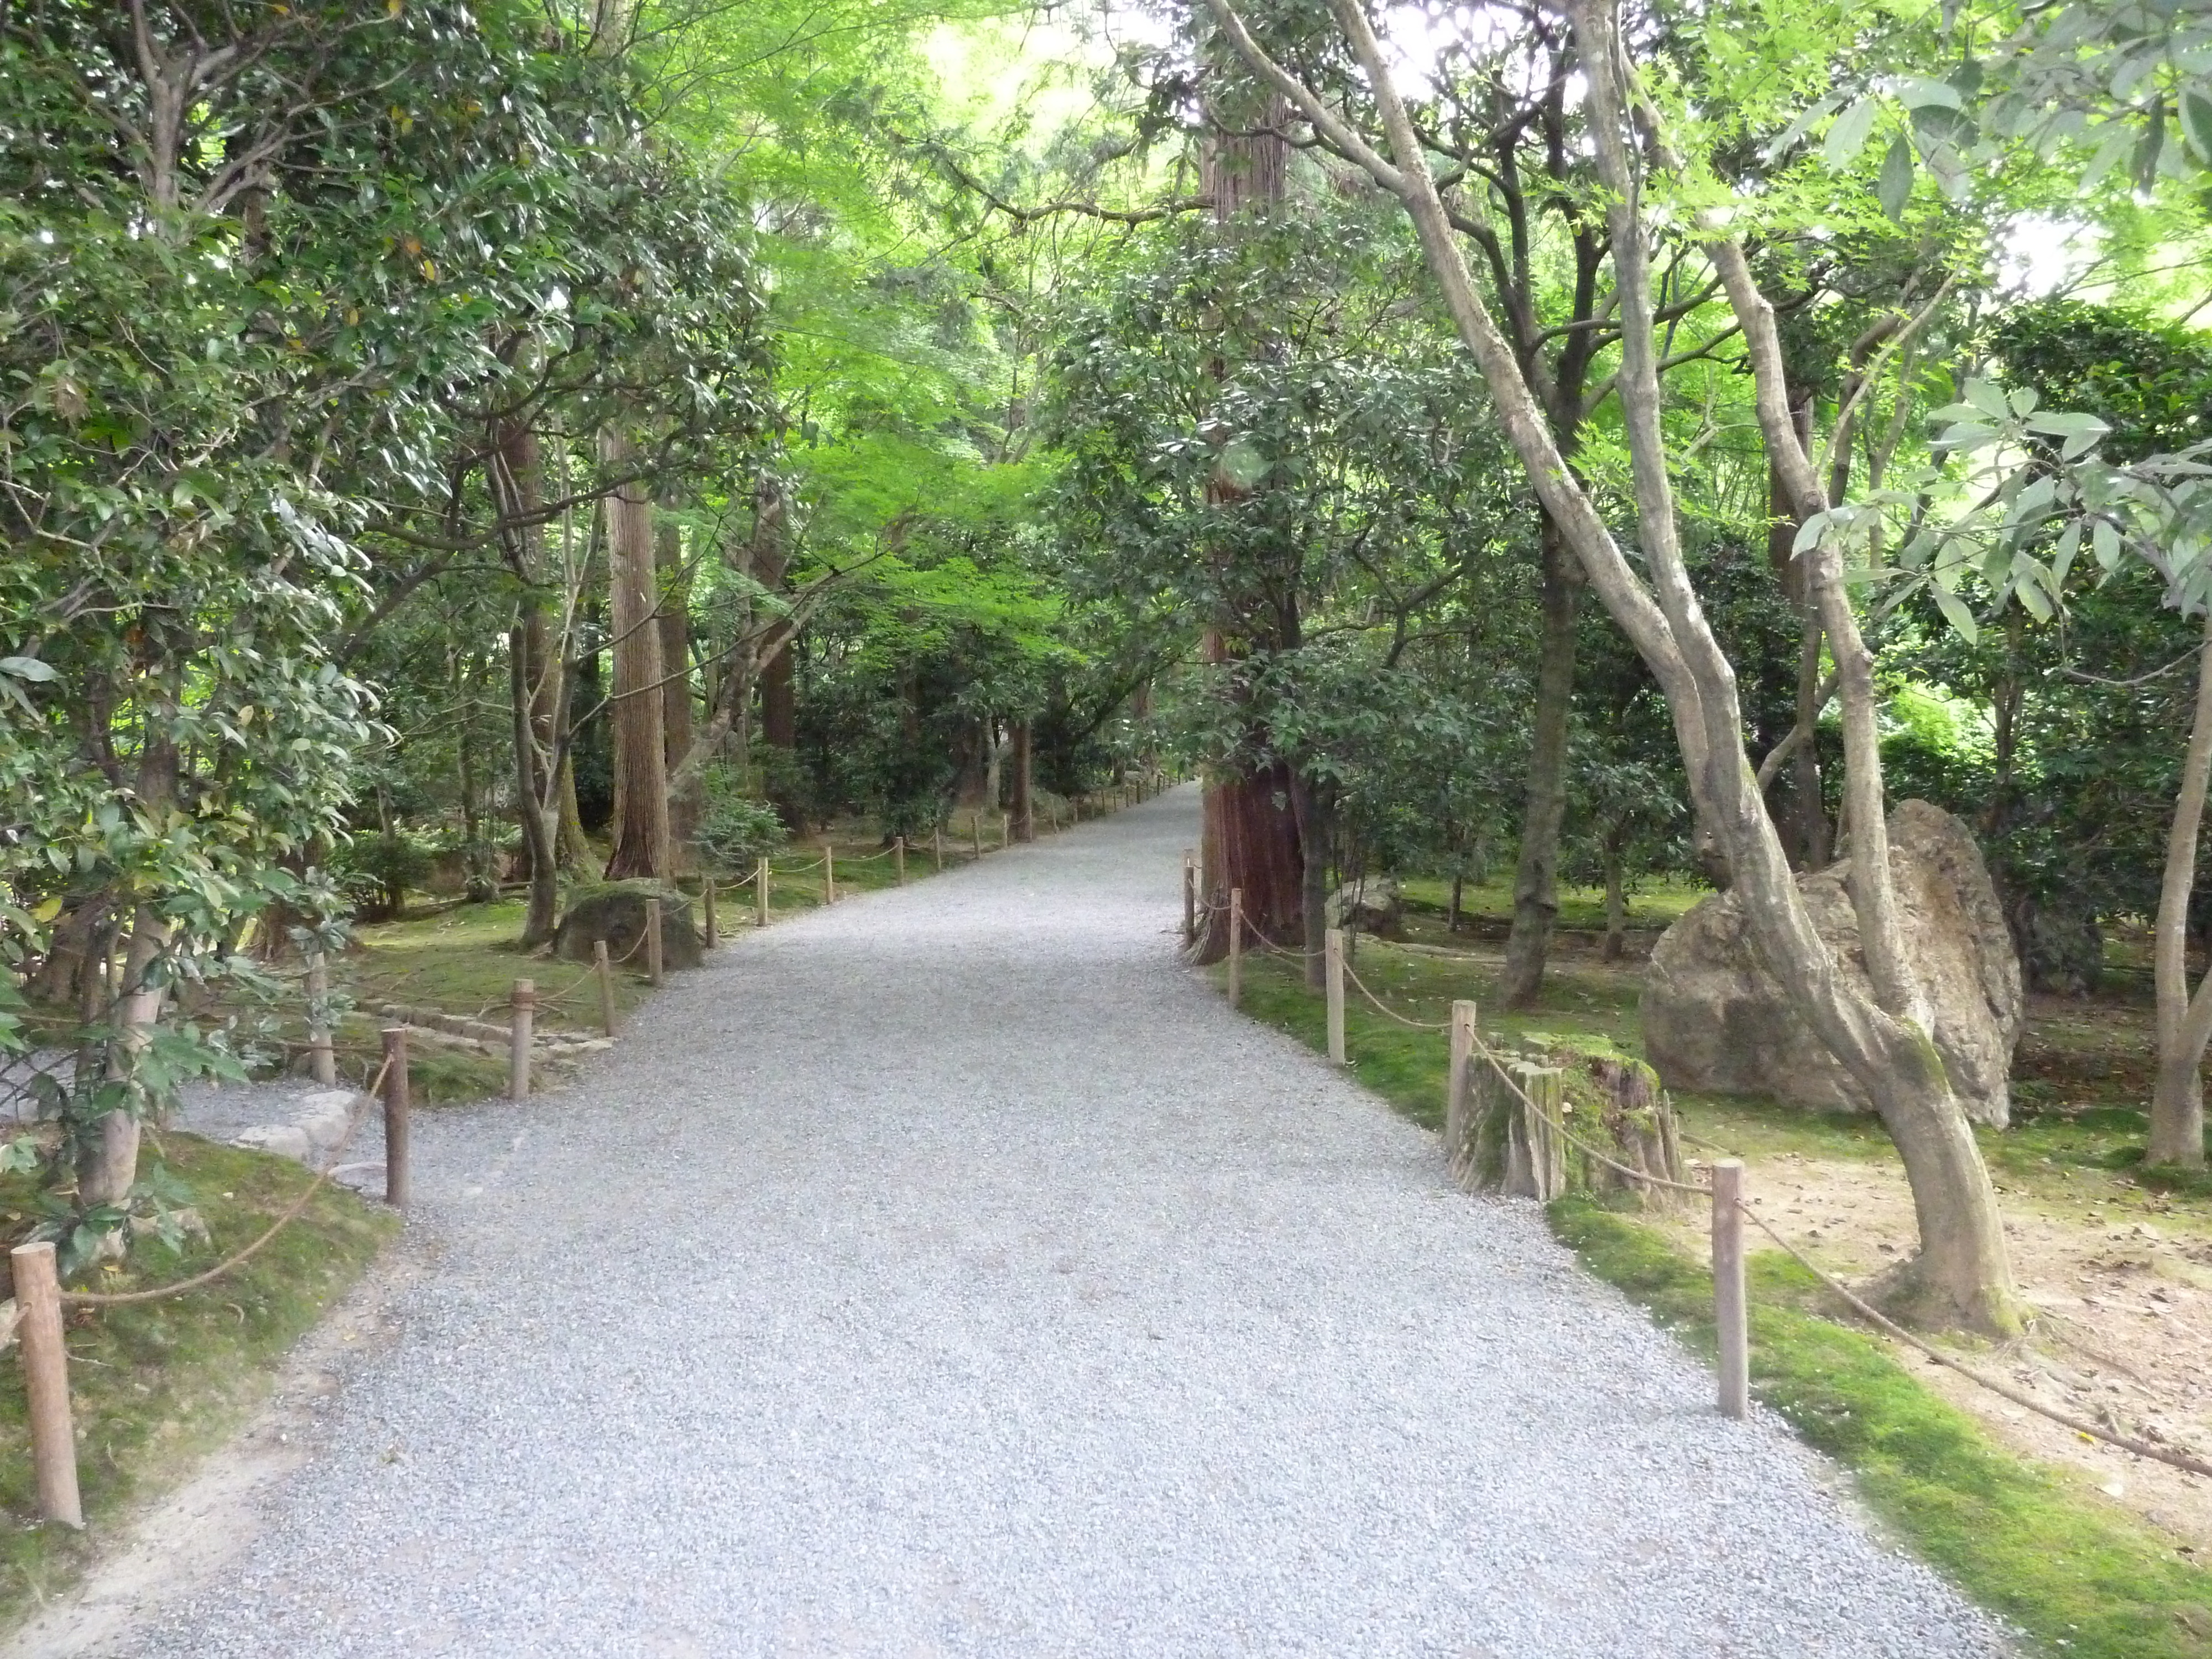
{"points": [[1989, 398], [1848, 135], [29, 668], [2197, 122], [1956, 612], [1919, 94], [1894, 187], [2144, 166], [2105, 538]]}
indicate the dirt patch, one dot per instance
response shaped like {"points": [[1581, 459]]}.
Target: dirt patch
{"points": [[2122, 1332]]}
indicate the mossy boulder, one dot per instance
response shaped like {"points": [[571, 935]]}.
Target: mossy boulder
{"points": [[1716, 1022], [615, 912]]}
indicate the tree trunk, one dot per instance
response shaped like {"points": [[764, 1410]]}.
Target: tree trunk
{"points": [[993, 752], [1249, 834], [536, 680], [1809, 804], [1616, 895], [1314, 805], [1535, 880], [108, 1169], [675, 600], [779, 700], [1250, 840], [641, 829], [541, 821], [1025, 809], [2185, 1023], [574, 848]]}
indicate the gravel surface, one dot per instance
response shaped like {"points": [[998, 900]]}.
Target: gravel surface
{"points": [[952, 1272]]}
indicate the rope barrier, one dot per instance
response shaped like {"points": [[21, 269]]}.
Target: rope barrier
{"points": [[1415, 1024], [117, 1298], [2172, 1459]]}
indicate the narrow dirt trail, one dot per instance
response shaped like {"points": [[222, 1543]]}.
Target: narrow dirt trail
{"points": [[950, 1272]]}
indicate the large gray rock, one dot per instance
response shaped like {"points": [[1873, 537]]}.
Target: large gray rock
{"points": [[616, 912], [1374, 906], [1716, 1023]]}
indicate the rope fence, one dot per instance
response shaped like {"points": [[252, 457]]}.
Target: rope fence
{"points": [[1730, 1208]]}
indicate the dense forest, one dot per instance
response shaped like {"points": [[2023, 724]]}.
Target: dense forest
{"points": [[507, 448]]}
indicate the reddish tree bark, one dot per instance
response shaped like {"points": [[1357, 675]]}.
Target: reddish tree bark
{"points": [[641, 838], [1249, 839]]}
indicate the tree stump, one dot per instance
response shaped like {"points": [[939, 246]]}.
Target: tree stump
{"points": [[1495, 1143], [1502, 1144], [1638, 1125]]}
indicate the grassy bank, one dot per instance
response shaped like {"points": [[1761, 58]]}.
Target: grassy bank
{"points": [[157, 1385], [2081, 1575]]}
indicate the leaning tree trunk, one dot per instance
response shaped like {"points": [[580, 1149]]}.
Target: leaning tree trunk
{"points": [[2185, 1023], [1960, 1275], [536, 680], [640, 831], [1536, 878]]}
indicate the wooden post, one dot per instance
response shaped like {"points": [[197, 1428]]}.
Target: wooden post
{"points": [[1003, 832], [1459, 1139], [707, 906], [828, 873], [604, 969], [1236, 946], [1729, 1308], [395, 1116], [1189, 898], [1333, 953], [937, 844], [898, 859], [760, 891], [653, 967], [322, 1062], [976, 829], [521, 1015], [46, 1381]]}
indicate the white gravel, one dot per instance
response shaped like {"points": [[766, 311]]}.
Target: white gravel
{"points": [[952, 1272]]}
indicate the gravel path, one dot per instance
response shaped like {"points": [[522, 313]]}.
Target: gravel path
{"points": [[951, 1273]]}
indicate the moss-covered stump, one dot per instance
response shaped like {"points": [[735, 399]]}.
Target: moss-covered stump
{"points": [[616, 912], [1502, 1139]]}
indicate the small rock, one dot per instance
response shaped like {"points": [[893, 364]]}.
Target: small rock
{"points": [[284, 1139]]}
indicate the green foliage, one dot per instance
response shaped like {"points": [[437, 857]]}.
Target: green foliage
{"points": [[736, 829], [377, 869]]}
